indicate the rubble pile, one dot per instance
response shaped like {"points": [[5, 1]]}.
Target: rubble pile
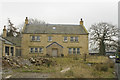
{"points": [[41, 61], [14, 62], [19, 62]]}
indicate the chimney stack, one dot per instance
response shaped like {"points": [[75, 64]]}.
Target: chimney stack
{"points": [[4, 32], [81, 22], [26, 20]]}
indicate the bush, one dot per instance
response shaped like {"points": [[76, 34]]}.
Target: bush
{"points": [[62, 55], [75, 58], [111, 65], [47, 55]]}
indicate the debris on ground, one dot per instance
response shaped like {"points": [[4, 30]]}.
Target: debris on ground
{"points": [[41, 61], [67, 69], [19, 62]]}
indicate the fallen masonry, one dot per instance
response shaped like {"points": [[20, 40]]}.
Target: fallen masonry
{"points": [[19, 62]]}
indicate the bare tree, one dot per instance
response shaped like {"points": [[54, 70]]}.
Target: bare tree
{"points": [[103, 37], [35, 21]]}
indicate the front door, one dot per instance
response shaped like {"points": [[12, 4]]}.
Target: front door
{"points": [[54, 52]]}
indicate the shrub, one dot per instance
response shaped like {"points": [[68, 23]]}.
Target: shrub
{"points": [[62, 55], [47, 55], [75, 58]]}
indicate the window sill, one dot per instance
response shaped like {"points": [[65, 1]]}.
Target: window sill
{"points": [[74, 41], [65, 41], [35, 41], [49, 41], [36, 53]]}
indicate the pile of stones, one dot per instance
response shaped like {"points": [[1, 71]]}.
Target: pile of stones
{"points": [[41, 61], [14, 62]]}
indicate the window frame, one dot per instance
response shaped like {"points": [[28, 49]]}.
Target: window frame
{"points": [[31, 50], [78, 50], [40, 50], [65, 39], [70, 50], [74, 50], [76, 39], [49, 38], [71, 38]]}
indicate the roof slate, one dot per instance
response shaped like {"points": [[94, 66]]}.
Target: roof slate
{"points": [[59, 29]]}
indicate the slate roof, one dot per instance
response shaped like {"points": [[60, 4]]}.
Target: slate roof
{"points": [[6, 41], [15, 40], [54, 43], [60, 29]]}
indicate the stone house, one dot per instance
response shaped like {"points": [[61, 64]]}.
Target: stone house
{"points": [[54, 39], [11, 46], [7, 48]]}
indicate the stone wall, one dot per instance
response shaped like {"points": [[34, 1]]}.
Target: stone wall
{"points": [[27, 43]]}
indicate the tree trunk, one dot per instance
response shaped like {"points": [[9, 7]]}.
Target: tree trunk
{"points": [[102, 48]]}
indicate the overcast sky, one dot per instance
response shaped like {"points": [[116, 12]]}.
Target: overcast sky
{"points": [[59, 11]]}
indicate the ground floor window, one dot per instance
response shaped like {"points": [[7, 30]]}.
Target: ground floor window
{"points": [[70, 50], [36, 50], [74, 50], [6, 50]]}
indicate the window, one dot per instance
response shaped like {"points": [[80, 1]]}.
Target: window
{"points": [[33, 38], [65, 38], [31, 50], [76, 39], [40, 50], [74, 50], [78, 50], [36, 50], [71, 38], [38, 38], [49, 38], [70, 50]]}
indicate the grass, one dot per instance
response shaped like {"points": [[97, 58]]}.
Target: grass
{"points": [[101, 67]]}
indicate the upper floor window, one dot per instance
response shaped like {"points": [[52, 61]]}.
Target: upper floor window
{"points": [[38, 38], [49, 38], [33, 38], [71, 38], [76, 38], [65, 38]]}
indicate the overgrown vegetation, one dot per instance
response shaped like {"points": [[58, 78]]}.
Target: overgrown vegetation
{"points": [[93, 67]]}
